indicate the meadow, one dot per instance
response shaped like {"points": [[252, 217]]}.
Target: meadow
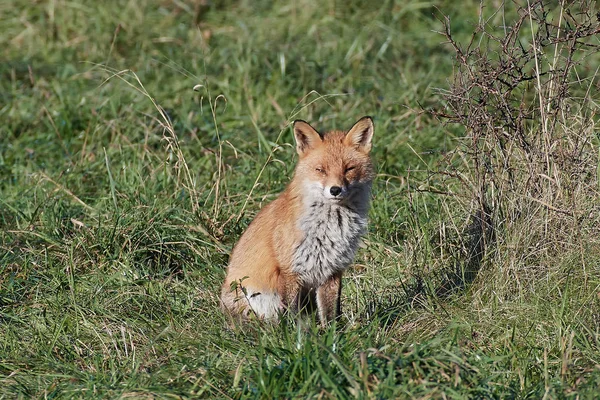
{"points": [[139, 139]]}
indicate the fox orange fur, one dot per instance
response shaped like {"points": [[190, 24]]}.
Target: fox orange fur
{"points": [[298, 246]]}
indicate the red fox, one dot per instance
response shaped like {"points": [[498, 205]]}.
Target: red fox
{"points": [[298, 246]]}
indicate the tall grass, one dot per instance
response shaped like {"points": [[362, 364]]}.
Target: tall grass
{"points": [[518, 222], [123, 189]]}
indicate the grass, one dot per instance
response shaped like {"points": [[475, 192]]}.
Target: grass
{"points": [[123, 190]]}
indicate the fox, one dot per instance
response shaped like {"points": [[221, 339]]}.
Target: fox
{"points": [[294, 252]]}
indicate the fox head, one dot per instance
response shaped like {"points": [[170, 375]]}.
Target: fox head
{"points": [[335, 166]]}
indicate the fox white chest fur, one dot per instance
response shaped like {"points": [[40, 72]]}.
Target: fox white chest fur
{"points": [[332, 235]]}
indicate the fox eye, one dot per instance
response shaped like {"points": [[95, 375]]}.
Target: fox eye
{"points": [[320, 170], [348, 169]]}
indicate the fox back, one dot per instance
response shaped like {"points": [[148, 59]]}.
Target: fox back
{"points": [[300, 244]]}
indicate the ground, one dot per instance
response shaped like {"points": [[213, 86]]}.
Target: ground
{"points": [[138, 140]]}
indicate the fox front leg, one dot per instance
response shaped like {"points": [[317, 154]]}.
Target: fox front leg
{"points": [[289, 290], [328, 299]]}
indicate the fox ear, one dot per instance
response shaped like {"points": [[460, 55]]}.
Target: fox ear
{"points": [[306, 136], [360, 135]]}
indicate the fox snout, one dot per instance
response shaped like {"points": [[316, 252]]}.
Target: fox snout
{"points": [[335, 191]]}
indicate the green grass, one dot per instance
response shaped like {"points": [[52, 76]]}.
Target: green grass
{"points": [[115, 232]]}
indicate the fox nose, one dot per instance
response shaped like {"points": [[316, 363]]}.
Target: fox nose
{"points": [[335, 190]]}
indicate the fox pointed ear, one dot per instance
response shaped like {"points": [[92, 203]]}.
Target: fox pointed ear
{"points": [[306, 136], [360, 135]]}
